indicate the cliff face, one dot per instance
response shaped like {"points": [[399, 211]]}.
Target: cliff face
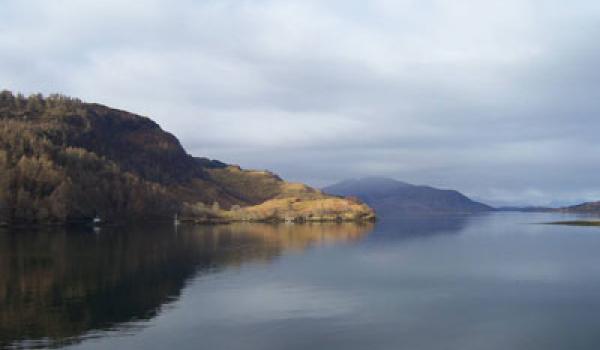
{"points": [[65, 160]]}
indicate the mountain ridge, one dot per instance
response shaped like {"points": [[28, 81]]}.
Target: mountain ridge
{"points": [[388, 196]]}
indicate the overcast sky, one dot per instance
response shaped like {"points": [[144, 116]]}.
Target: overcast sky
{"points": [[498, 99]]}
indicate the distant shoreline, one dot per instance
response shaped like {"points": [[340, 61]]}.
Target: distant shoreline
{"points": [[575, 223]]}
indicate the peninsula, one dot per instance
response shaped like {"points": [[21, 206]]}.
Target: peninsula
{"points": [[63, 160]]}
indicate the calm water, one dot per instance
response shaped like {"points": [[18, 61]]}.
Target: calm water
{"points": [[495, 281]]}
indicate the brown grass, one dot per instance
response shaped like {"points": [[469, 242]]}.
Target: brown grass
{"points": [[292, 209]]}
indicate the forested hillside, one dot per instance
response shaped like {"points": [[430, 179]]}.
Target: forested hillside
{"points": [[65, 160]]}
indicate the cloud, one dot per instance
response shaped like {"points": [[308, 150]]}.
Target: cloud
{"points": [[498, 99]]}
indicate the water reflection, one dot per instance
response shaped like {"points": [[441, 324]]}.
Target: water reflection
{"points": [[58, 287], [421, 226]]}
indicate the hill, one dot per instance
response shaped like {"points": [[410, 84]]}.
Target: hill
{"points": [[64, 160], [389, 196], [584, 208]]}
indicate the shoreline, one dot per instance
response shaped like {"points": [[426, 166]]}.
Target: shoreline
{"points": [[590, 223], [183, 221]]}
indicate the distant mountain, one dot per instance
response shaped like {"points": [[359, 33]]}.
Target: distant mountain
{"points": [[527, 209], [389, 196], [64, 160], [584, 208]]}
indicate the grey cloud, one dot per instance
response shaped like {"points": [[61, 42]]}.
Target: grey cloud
{"points": [[497, 99]]}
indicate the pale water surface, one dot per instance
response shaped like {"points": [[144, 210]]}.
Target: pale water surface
{"points": [[496, 281]]}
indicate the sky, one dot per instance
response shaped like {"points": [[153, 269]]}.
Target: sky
{"points": [[498, 99]]}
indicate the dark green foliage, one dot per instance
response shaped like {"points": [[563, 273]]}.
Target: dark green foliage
{"points": [[136, 143], [62, 160]]}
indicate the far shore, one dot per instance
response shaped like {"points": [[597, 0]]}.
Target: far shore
{"points": [[575, 223]]}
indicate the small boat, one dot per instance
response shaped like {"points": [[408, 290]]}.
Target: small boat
{"points": [[97, 221]]}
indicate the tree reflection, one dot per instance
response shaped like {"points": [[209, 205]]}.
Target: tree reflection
{"points": [[57, 287]]}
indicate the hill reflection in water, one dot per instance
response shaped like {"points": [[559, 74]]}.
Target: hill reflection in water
{"points": [[58, 287]]}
